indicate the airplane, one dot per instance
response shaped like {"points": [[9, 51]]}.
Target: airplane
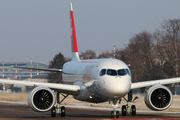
{"points": [[95, 81]]}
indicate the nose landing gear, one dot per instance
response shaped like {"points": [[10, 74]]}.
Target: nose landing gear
{"points": [[115, 105]]}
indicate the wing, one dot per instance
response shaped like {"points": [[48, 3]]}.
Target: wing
{"points": [[137, 85], [63, 88], [43, 69]]}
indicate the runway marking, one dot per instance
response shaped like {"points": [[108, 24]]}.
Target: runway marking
{"points": [[140, 119]]}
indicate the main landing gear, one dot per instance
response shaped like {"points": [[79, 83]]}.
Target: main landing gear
{"points": [[125, 108], [57, 109]]}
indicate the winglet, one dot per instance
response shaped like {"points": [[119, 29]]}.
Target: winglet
{"points": [[74, 47]]}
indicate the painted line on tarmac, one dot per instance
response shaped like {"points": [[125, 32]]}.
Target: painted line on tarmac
{"points": [[141, 119]]}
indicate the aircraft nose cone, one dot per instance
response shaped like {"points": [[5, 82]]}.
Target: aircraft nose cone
{"points": [[117, 87]]}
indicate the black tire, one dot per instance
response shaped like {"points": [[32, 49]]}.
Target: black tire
{"points": [[117, 114], [53, 112], [124, 111], [63, 112], [133, 110], [112, 114]]}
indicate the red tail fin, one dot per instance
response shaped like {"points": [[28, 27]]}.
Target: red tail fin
{"points": [[74, 47]]}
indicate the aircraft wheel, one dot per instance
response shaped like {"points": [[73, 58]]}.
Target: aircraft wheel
{"points": [[53, 112], [124, 111], [112, 114], [117, 114], [63, 111], [133, 110]]}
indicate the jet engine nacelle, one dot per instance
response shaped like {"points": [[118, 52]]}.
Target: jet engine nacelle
{"points": [[158, 97], [41, 99]]}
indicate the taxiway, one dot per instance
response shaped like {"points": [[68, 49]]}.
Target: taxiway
{"points": [[16, 112]]}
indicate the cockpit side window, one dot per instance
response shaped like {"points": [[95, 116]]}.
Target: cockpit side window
{"points": [[129, 73], [103, 72], [111, 72], [122, 72]]}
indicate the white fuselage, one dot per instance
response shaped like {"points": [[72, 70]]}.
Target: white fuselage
{"points": [[101, 78]]}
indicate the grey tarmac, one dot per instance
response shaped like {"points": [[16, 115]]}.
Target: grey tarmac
{"points": [[21, 112]]}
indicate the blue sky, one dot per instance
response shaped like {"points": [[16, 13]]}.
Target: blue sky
{"points": [[26, 24]]}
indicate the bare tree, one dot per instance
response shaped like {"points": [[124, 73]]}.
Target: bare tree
{"points": [[168, 41], [139, 55], [88, 54], [105, 54]]}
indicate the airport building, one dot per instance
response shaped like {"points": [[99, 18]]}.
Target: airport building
{"points": [[7, 72]]}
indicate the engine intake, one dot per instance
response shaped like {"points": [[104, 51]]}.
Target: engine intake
{"points": [[41, 99], [158, 97]]}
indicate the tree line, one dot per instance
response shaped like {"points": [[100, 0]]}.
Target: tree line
{"points": [[151, 55]]}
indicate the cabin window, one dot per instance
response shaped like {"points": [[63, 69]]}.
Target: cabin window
{"points": [[111, 72], [103, 72], [122, 72]]}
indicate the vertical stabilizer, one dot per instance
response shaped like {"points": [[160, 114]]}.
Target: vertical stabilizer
{"points": [[74, 47]]}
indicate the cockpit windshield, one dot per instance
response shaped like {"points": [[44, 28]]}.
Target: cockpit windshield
{"points": [[122, 72], [102, 72], [112, 72], [129, 73]]}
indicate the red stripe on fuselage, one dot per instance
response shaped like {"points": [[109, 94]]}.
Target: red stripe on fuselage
{"points": [[90, 61], [73, 37]]}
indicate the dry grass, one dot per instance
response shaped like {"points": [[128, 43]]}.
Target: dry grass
{"points": [[140, 105], [20, 97]]}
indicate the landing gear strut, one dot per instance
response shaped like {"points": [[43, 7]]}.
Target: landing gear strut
{"points": [[128, 108], [114, 112], [56, 109], [125, 108]]}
